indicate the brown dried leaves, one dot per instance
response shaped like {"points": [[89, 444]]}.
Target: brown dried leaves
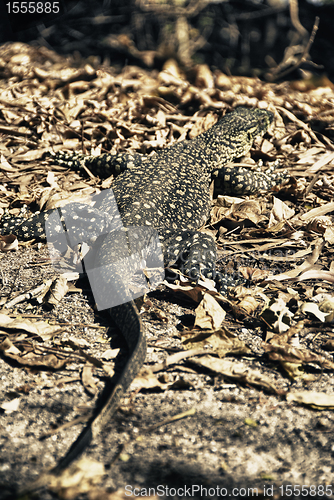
{"points": [[283, 242]]}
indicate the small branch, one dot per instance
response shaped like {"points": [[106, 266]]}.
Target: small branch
{"points": [[275, 74], [180, 416], [294, 15]]}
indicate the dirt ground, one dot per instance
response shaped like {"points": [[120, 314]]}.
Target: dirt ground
{"points": [[239, 439], [258, 407]]}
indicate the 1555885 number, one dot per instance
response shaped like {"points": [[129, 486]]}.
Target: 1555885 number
{"points": [[33, 7], [302, 490]]}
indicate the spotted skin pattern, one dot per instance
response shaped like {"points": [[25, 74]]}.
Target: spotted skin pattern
{"points": [[169, 192]]}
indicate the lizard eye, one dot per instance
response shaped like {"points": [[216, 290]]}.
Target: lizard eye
{"points": [[251, 133]]}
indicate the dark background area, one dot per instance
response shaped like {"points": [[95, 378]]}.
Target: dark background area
{"points": [[238, 37]]}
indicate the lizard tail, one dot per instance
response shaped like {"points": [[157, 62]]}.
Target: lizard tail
{"points": [[127, 319]]}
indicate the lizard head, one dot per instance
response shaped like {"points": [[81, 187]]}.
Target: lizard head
{"points": [[252, 122], [234, 134]]}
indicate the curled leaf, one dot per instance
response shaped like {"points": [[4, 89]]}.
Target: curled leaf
{"points": [[8, 243]]}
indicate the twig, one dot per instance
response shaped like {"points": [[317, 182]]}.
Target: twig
{"points": [[303, 58], [295, 18], [77, 420], [27, 295], [188, 413]]}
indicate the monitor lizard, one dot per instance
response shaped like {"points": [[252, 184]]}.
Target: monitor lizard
{"points": [[169, 192]]}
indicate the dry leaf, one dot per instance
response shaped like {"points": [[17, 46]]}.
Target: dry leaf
{"points": [[79, 478], [298, 356], [284, 338], [204, 77], [319, 224], [316, 212], [329, 345], [317, 400], [176, 358], [280, 212], [195, 293], [277, 315], [296, 371], [110, 354], [311, 307], [8, 243], [29, 358], [245, 212], [57, 291], [42, 329], [244, 301], [10, 406], [87, 379], [209, 314], [327, 307], [220, 341], [236, 371], [147, 380]]}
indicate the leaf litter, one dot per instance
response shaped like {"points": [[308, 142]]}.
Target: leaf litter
{"points": [[281, 243]]}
